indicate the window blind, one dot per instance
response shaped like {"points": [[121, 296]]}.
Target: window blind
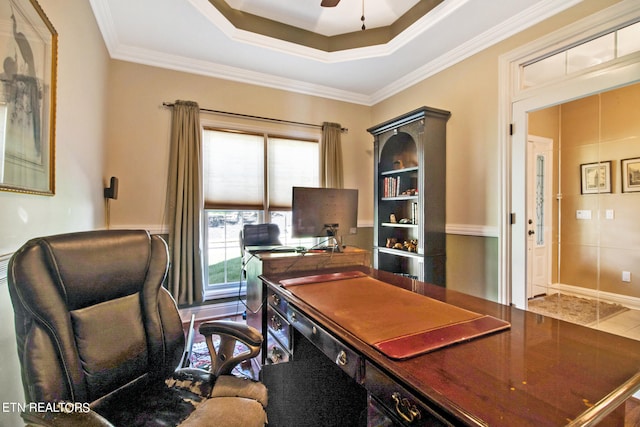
{"points": [[233, 170], [291, 163], [243, 170]]}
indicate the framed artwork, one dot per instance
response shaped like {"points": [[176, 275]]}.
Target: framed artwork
{"points": [[630, 175], [28, 45], [595, 177]]}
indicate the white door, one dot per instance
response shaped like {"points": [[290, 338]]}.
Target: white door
{"points": [[539, 211]]}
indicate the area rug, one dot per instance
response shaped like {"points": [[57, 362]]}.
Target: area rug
{"points": [[583, 311], [201, 359]]}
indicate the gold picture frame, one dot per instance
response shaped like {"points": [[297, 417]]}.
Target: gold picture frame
{"points": [[595, 177], [630, 175], [28, 45]]}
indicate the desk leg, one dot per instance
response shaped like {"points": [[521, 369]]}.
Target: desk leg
{"points": [[312, 391]]}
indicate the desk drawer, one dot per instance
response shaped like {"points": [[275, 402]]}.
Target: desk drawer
{"points": [[276, 353], [402, 406], [276, 301], [345, 358], [279, 327]]}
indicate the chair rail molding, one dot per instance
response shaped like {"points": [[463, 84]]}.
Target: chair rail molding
{"points": [[473, 230]]}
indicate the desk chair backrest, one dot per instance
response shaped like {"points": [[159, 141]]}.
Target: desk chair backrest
{"points": [[260, 235], [91, 314]]}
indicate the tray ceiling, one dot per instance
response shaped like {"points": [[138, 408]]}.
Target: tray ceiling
{"points": [[302, 47]]}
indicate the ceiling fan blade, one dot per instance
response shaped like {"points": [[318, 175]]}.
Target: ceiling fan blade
{"points": [[329, 3]]}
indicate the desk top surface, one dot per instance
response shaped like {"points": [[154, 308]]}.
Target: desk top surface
{"points": [[289, 252], [542, 371]]}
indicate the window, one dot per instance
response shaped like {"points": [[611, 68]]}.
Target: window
{"points": [[584, 55], [248, 179]]}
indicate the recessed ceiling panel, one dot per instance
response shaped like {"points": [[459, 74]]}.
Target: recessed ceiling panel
{"points": [[328, 21]]}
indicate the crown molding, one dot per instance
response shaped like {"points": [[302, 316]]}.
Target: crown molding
{"points": [[525, 19], [211, 69], [104, 18], [508, 28]]}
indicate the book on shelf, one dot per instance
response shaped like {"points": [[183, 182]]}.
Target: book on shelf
{"points": [[391, 186]]}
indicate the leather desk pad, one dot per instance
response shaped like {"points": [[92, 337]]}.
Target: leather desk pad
{"points": [[399, 323]]}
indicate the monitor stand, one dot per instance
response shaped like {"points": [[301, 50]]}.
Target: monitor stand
{"points": [[332, 231]]}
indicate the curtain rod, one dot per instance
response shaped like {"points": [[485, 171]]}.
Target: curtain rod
{"points": [[248, 116]]}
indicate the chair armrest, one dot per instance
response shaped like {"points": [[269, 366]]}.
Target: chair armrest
{"points": [[244, 333], [64, 419], [223, 359]]}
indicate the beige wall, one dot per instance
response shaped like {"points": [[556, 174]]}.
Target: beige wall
{"points": [[78, 204], [603, 127], [138, 135], [80, 136], [126, 135], [139, 131], [469, 90]]}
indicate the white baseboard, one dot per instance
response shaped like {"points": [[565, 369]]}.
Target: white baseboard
{"points": [[629, 302]]}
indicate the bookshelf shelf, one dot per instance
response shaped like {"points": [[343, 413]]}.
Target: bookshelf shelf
{"points": [[398, 225], [400, 253], [409, 168], [399, 171], [399, 198]]}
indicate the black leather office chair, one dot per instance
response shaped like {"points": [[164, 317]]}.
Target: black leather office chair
{"points": [[99, 339], [259, 235]]}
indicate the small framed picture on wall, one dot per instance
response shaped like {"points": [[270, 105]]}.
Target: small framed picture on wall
{"points": [[595, 177], [630, 175]]}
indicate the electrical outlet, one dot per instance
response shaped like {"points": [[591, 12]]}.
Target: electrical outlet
{"points": [[626, 276]]}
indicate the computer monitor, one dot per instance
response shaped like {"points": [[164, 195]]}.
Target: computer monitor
{"points": [[324, 212]]}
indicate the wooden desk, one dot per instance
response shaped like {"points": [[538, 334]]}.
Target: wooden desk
{"points": [[272, 263], [541, 372]]}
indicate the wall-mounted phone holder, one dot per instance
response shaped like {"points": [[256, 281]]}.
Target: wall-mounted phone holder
{"points": [[111, 192]]}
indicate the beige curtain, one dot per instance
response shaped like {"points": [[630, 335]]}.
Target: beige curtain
{"points": [[331, 175], [185, 204]]}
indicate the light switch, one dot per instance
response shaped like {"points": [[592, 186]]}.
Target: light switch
{"points": [[583, 214], [626, 276], [608, 214]]}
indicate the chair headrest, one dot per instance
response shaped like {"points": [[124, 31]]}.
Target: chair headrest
{"points": [[85, 268]]}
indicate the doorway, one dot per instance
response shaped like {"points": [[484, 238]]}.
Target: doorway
{"points": [[589, 242], [540, 161], [521, 96]]}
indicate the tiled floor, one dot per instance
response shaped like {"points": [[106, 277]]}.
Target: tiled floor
{"points": [[626, 324]]}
